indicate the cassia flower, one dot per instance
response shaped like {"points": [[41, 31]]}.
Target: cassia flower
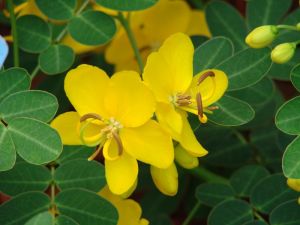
{"points": [[129, 210], [169, 74], [115, 115], [151, 27]]}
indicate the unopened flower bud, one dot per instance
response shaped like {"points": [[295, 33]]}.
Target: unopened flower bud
{"points": [[294, 184], [283, 53], [262, 36]]}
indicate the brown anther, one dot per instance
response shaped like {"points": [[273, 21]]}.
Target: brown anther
{"points": [[199, 104], [183, 102], [212, 108], [204, 76], [181, 97], [90, 116], [119, 142]]}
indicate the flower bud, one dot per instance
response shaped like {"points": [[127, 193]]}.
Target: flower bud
{"points": [[294, 184], [283, 53], [166, 180], [262, 36]]}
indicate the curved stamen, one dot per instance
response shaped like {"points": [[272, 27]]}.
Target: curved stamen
{"points": [[212, 108], [199, 104], [90, 116], [204, 76], [94, 155], [119, 142]]}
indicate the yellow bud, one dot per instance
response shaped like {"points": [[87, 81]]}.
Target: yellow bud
{"points": [[166, 180], [283, 53], [184, 159], [262, 36], [294, 184]]}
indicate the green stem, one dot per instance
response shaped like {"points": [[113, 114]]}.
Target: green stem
{"points": [[288, 27], [14, 32], [65, 30], [191, 214], [35, 71], [258, 216], [52, 191], [207, 175], [132, 40]]}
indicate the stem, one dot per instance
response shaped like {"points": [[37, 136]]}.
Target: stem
{"points": [[132, 40], [35, 71], [65, 30], [288, 27], [258, 216], [191, 214], [14, 32], [52, 191], [208, 175]]}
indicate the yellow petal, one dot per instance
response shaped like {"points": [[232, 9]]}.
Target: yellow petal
{"points": [[163, 19], [211, 89], [198, 24], [129, 100], [166, 180], [149, 143], [169, 118], [170, 71], [184, 159], [66, 125], [31, 9], [189, 141], [121, 174], [294, 184], [85, 87]]}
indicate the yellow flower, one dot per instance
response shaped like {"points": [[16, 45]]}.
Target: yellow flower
{"points": [[261, 36], [129, 210], [151, 27], [169, 74], [114, 114]]}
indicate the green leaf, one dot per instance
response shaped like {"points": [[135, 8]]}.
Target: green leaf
{"points": [[231, 112], [265, 12], [244, 179], [56, 59], [288, 117], [23, 207], [80, 173], [35, 104], [270, 192], [92, 28], [222, 150], [230, 212], [212, 194], [35, 141], [246, 67], [33, 34], [295, 77], [75, 152], [64, 220], [7, 150], [57, 9], [232, 25], [44, 218], [290, 161], [287, 213], [211, 53], [255, 222], [258, 94], [127, 5], [82, 206], [13, 80], [24, 177]]}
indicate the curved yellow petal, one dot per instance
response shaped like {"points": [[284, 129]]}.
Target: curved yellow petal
{"points": [[163, 19], [170, 71], [169, 118], [198, 24], [149, 143], [184, 159], [211, 88], [31, 9], [166, 180], [121, 174], [189, 141], [85, 87], [129, 100], [66, 125], [294, 184]]}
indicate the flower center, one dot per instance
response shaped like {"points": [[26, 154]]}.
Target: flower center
{"points": [[110, 130]]}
